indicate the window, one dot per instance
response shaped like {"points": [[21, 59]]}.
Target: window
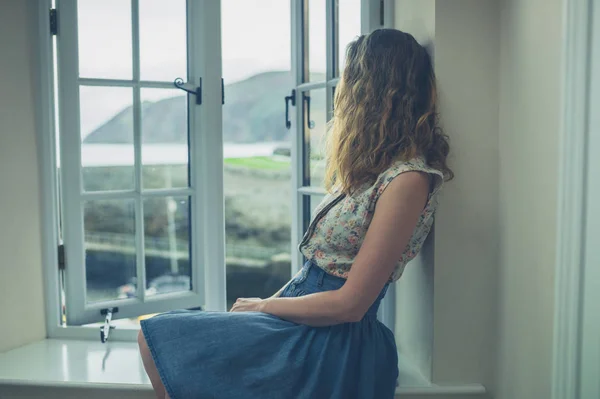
{"points": [[192, 194], [324, 29]]}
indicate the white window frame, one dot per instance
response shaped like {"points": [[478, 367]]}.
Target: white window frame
{"points": [[210, 235], [206, 177]]}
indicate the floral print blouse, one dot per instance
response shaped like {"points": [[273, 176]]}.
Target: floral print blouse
{"points": [[338, 229]]}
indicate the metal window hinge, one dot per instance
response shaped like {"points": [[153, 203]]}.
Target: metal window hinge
{"points": [[53, 22], [62, 264], [382, 12], [222, 91]]}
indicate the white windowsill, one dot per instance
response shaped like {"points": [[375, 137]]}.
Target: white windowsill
{"points": [[117, 365]]}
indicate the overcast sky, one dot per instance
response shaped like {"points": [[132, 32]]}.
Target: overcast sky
{"points": [[255, 39]]}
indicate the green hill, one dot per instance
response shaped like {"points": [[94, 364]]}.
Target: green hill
{"points": [[253, 112]]}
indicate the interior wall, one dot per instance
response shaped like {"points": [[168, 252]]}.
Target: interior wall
{"points": [[416, 17], [414, 312], [465, 35], [21, 289], [466, 234], [414, 291], [530, 95]]}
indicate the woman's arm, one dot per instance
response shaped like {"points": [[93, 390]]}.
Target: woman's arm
{"points": [[396, 215]]}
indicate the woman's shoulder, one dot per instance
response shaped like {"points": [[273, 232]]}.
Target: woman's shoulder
{"points": [[417, 164]]}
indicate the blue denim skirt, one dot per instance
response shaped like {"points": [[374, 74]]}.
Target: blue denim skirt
{"points": [[252, 355]]}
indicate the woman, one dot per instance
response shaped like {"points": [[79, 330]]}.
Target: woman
{"points": [[318, 337]]}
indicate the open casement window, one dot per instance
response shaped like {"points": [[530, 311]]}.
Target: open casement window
{"points": [[159, 208], [142, 212], [322, 29]]}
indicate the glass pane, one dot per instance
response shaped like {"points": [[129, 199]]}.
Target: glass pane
{"points": [[167, 244], [257, 172], [163, 40], [317, 41], [314, 136], [104, 29], [110, 262], [348, 28], [107, 155], [165, 149]]}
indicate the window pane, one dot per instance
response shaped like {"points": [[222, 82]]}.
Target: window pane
{"points": [[104, 29], [167, 244], [257, 172], [165, 149], [110, 261], [348, 27], [314, 136], [107, 155], [317, 40], [163, 40]]}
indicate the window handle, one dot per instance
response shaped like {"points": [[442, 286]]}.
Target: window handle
{"points": [[311, 123], [190, 88], [291, 98], [105, 329]]}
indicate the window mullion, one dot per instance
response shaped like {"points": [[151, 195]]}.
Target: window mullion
{"points": [[137, 146], [70, 158], [331, 29], [206, 153]]}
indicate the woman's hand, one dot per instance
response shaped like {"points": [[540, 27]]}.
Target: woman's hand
{"points": [[248, 305]]}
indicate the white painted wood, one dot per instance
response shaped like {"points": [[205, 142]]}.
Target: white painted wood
{"points": [[208, 225], [568, 294], [312, 191], [137, 149], [296, 117], [70, 159], [117, 365], [125, 83], [590, 327], [204, 19], [47, 164], [75, 363], [205, 159]]}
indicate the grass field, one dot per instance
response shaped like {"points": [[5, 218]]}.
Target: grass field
{"points": [[268, 163]]}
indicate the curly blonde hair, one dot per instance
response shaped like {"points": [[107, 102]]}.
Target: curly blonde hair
{"points": [[385, 109]]}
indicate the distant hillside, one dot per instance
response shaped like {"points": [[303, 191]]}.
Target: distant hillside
{"points": [[254, 111]]}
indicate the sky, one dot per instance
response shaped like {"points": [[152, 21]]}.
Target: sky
{"points": [[255, 38]]}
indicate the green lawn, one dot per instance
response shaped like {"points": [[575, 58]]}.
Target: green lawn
{"points": [[259, 163]]}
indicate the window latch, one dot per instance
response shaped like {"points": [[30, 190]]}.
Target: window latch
{"points": [[105, 329], [311, 123], [291, 98], [190, 88]]}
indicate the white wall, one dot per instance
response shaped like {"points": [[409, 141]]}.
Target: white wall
{"points": [[498, 67], [465, 36], [414, 291], [466, 235], [530, 61], [416, 17], [21, 291]]}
